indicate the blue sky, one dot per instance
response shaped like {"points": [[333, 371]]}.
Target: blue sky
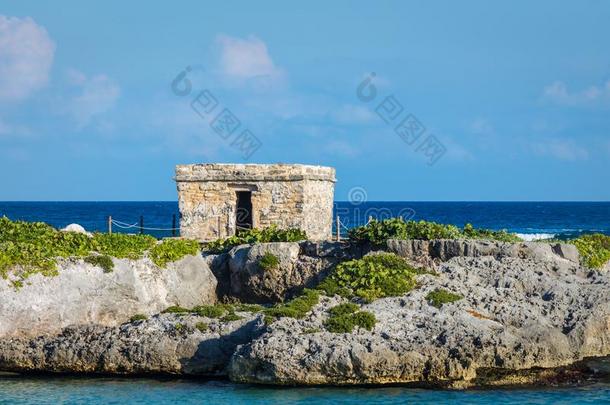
{"points": [[517, 94]]}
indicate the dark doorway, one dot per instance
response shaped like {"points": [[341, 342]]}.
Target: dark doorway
{"points": [[243, 214]]}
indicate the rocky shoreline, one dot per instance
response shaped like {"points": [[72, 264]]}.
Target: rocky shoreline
{"points": [[530, 314]]}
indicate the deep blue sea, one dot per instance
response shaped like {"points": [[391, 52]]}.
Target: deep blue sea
{"points": [[531, 219]]}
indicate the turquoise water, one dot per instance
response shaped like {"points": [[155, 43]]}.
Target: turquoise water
{"points": [[71, 390]]}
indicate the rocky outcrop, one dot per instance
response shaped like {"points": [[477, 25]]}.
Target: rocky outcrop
{"points": [[82, 294], [166, 344], [446, 249], [517, 314], [301, 265]]}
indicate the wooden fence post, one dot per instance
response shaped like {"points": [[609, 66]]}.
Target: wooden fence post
{"points": [[110, 224], [141, 224], [338, 229]]}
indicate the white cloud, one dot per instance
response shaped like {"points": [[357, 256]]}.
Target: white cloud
{"points": [[352, 114], [26, 57], [94, 96], [562, 149], [247, 60], [481, 126], [341, 148], [558, 93]]}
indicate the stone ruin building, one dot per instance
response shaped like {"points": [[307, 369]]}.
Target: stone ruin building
{"points": [[218, 200]]}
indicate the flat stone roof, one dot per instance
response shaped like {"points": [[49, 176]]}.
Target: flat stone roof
{"points": [[252, 172]]}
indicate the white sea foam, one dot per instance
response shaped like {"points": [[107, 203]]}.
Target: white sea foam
{"points": [[535, 236]]}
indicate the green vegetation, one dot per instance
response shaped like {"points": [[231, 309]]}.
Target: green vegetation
{"points": [[103, 261], [179, 327], [439, 297], [594, 249], [296, 308], [308, 331], [33, 247], [269, 261], [372, 277], [138, 317], [17, 284], [344, 309], [201, 326], [121, 245], [345, 317], [378, 232], [271, 234], [171, 250], [175, 309], [210, 311], [230, 317]]}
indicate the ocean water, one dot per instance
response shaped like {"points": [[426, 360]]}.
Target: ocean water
{"points": [[530, 219], [85, 390]]}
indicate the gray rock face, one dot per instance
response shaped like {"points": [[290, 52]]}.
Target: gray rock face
{"points": [[446, 249], [163, 344], [83, 294], [300, 265], [516, 314]]}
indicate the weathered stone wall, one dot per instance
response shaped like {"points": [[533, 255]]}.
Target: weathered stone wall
{"points": [[289, 196]]}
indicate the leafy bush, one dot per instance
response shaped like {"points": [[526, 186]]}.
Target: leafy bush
{"points": [[122, 246], [230, 317], [378, 232], [210, 311], [296, 308], [170, 250], [345, 317], [439, 297], [269, 261], [344, 309], [103, 261], [33, 247], [138, 317], [372, 277], [594, 249], [503, 236], [270, 234], [201, 326], [175, 309]]}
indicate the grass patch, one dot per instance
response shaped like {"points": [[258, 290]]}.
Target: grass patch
{"points": [[270, 234], [175, 309], [296, 308], [179, 327], [138, 317], [103, 261], [378, 232], [171, 250], [440, 296], [308, 331], [269, 261], [594, 249], [210, 311], [17, 284], [201, 327], [230, 317], [345, 317], [372, 277]]}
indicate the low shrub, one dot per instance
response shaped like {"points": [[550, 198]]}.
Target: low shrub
{"points": [[372, 277], [175, 309], [179, 327], [103, 261], [248, 307], [344, 309], [121, 245], [378, 232], [594, 249], [171, 250], [440, 296], [201, 327], [138, 317], [270, 234], [269, 261], [345, 317], [230, 317], [210, 311], [296, 308]]}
